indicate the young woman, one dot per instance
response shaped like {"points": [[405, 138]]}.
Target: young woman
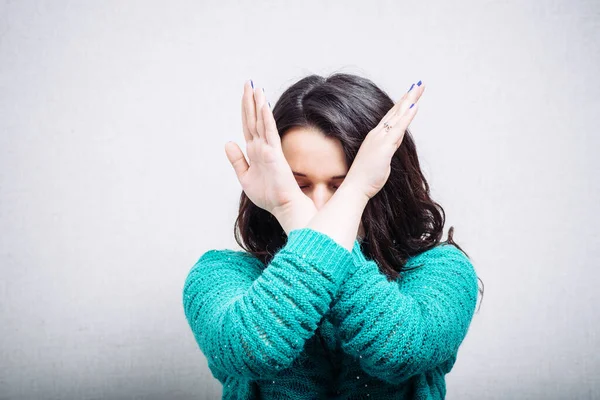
{"points": [[344, 289]]}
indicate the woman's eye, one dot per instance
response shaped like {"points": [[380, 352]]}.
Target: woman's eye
{"points": [[305, 186]]}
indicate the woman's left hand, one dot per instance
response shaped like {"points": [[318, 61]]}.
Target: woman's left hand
{"points": [[370, 169]]}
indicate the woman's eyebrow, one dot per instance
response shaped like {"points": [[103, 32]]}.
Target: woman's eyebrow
{"points": [[333, 177]]}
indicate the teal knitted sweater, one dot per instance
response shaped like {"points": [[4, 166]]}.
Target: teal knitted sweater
{"points": [[320, 321]]}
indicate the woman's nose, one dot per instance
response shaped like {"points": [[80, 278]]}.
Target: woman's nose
{"points": [[320, 196]]}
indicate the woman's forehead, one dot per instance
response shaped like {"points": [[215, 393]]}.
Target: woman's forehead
{"points": [[311, 153]]}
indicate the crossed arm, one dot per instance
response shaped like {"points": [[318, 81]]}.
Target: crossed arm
{"points": [[254, 324], [251, 323], [395, 329], [402, 328]]}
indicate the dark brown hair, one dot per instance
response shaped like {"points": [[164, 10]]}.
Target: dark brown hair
{"points": [[400, 221]]}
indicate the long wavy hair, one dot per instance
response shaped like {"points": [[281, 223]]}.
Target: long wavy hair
{"points": [[400, 221]]}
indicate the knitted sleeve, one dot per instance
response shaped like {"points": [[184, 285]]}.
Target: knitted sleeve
{"points": [[405, 327], [252, 323]]}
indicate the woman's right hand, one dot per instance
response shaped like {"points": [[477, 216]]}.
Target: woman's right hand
{"points": [[371, 167], [267, 179]]}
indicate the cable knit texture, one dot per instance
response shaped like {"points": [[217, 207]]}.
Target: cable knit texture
{"points": [[322, 322]]}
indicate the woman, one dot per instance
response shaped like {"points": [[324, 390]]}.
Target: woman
{"points": [[344, 289]]}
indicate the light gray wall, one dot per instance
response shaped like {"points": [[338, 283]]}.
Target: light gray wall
{"points": [[113, 177]]}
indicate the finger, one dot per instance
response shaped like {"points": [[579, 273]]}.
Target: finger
{"points": [[237, 159], [391, 119], [412, 97], [259, 98], [398, 124], [401, 100], [403, 123], [246, 129], [249, 109], [392, 123], [396, 107], [271, 133], [392, 111]]}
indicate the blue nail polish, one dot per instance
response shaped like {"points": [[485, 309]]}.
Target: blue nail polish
{"points": [[413, 85], [411, 106], [252, 83], [419, 83]]}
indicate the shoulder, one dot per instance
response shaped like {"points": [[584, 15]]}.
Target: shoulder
{"points": [[441, 253], [226, 260], [443, 268], [446, 261], [219, 255]]}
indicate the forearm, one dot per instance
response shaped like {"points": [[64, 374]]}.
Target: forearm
{"points": [[433, 307], [340, 216], [263, 317]]}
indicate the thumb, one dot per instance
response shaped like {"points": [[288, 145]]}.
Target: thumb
{"points": [[236, 158]]}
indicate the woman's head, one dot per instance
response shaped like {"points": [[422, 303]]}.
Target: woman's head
{"points": [[322, 123], [317, 161]]}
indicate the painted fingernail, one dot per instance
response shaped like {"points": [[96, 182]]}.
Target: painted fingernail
{"points": [[269, 104], [411, 106], [413, 85], [419, 83], [252, 83], [263, 90]]}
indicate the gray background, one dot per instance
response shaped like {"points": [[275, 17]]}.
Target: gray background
{"points": [[113, 177]]}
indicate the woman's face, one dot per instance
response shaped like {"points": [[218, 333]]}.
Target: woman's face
{"points": [[318, 163]]}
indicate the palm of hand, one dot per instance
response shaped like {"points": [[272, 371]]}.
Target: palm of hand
{"points": [[269, 181], [266, 178], [371, 167]]}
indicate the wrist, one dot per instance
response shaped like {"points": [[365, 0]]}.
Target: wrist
{"points": [[340, 217], [295, 214], [353, 194]]}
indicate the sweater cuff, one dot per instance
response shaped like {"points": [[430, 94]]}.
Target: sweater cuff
{"points": [[322, 251], [358, 256]]}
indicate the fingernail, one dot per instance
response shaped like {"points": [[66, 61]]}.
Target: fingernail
{"points": [[263, 90], [413, 85], [252, 83], [269, 104], [411, 106], [419, 83]]}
